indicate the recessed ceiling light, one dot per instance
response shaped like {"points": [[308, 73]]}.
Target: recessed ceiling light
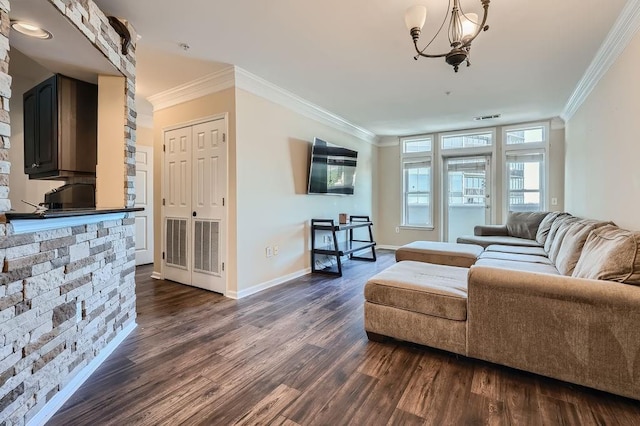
{"points": [[31, 30]]}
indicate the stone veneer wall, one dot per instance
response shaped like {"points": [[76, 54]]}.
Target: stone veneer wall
{"points": [[65, 293]]}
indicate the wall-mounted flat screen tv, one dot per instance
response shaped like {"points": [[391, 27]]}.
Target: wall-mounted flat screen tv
{"points": [[332, 170]]}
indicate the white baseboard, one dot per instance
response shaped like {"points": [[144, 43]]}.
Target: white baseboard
{"points": [[156, 275], [385, 247], [67, 392], [268, 284]]}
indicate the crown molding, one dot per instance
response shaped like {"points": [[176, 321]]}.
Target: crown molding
{"points": [[614, 44], [261, 87], [242, 79], [557, 123], [144, 120], [211, 83], [386, 141]]}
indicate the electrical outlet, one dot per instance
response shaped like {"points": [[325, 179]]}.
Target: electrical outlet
{"points": [[276, 250], [268, 251]]}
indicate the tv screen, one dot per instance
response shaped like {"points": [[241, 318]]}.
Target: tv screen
{"points": [[332, 170]]}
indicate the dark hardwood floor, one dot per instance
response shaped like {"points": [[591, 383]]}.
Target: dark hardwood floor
{"points": [[298, 354]]}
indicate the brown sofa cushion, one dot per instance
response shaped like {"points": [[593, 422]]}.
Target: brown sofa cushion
{"points": [[571, 248], [612, 254], [518, 266], [518, 257], [560, 226], [452, 254], [424, 288], [554, 229], [486, 241], [545, 227], [524, 224], [534, 251]]}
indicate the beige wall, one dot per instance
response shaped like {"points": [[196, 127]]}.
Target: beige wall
{"points": [[207, 106], [144, 136], [602, 173], [273, 145], [389, 191], [110, 192], [26, 73]]}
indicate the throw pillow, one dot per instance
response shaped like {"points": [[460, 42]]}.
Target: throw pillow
{"points": [[524, 224], [545, 227], [612, 254]]}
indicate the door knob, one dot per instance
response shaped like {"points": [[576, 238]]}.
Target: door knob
{"points": [[193, 214]]}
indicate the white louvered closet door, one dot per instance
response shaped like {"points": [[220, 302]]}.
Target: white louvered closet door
{"points": [[208, 192], [194, 210], [177, 205]]}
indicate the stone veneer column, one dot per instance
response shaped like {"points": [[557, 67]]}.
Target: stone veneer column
{"points": [[5, 95], [66, 293]]}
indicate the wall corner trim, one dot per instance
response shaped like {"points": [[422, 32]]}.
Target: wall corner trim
{"points": [[58, 400], [261, 87], [619, 36], [267, 284]]}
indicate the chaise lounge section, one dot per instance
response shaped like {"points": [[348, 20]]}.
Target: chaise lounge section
{"points": [[567, 307]]}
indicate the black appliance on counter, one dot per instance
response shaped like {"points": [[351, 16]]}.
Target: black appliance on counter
{"points": [[71, 196]]}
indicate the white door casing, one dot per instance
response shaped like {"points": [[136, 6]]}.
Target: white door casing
{"points": [[194, 217], [144, 199]]}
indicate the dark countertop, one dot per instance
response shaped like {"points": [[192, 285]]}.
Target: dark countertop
{"points": [[50, 214]]}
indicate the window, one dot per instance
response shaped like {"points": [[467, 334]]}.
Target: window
{"points": [[416, 181], [526, 172], [467, 181], [530, 135], [469, 140]]}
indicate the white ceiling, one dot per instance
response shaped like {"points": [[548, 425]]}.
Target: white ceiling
{"points": [[355, 58], [65, 53]]}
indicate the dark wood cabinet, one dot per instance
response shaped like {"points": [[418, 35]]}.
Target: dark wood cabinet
{"points": [[60, 129]]}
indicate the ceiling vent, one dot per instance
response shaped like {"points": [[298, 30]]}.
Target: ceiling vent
{"points": [[487, 117]]}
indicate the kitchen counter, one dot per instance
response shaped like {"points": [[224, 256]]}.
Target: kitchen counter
{"points": [[52, 219]]}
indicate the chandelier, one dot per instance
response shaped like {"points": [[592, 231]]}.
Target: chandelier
{"points": [[463, 29]]}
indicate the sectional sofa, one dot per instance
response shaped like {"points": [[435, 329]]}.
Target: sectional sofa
{"points": [[548, 293]]}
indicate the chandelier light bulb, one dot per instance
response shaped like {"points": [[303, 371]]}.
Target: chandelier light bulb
{"points": [[469, 24], [415, 17]]}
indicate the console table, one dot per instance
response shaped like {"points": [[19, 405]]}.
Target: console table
{"points": [[341, 248]]}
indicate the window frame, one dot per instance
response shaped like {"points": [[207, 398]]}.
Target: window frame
{"points": [[414, 157], [526, 148]]}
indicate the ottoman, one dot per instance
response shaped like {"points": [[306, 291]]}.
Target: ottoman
{"points": [[418, 302], [452, 254]]}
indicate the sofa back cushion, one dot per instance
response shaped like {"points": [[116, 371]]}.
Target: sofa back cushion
{"points": [[556, 234], [612, 254], [524, 224], [553, 229], [545, 227], [573, 241]]}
